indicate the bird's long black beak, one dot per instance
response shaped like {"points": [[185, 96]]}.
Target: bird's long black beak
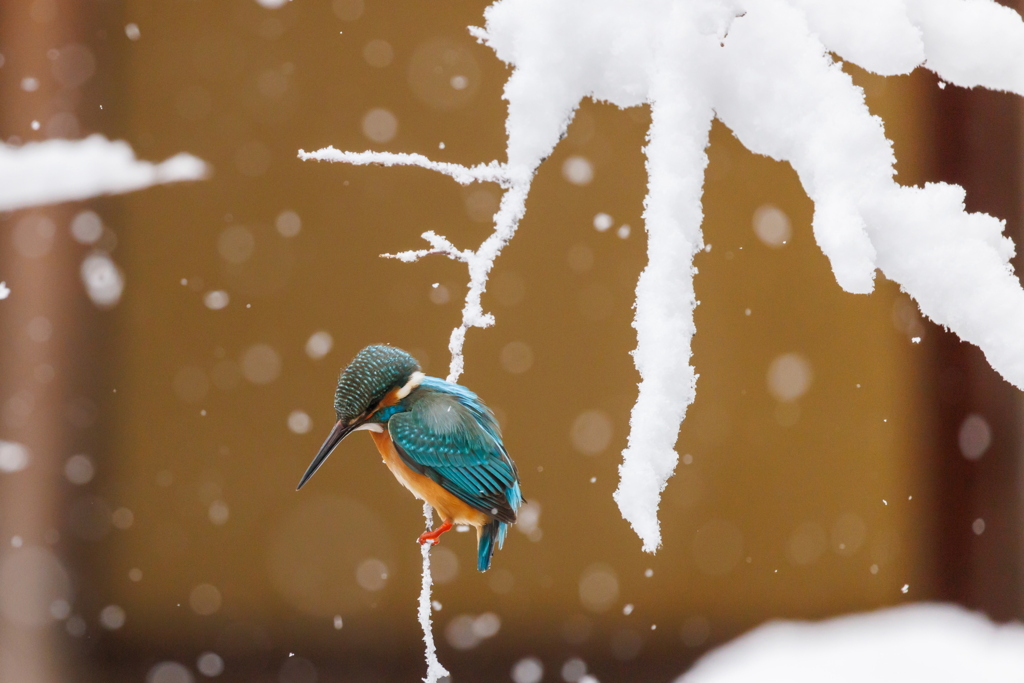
{"points": [[339, 432]]}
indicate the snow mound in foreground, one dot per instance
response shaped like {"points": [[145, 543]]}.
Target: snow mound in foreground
{"points": [[930, 643]]}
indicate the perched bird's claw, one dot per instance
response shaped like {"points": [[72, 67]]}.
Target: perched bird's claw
{"points": [[425, 537], [434, 536]]}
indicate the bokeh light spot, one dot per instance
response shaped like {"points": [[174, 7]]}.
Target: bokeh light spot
{"points": [[319, 344], [591, 432], [205, 599], [516, 357], [481, 204], [219, 512], [261, 364], [168, 672], [216, 300], [236, 244], [578, 170], [288, 223], [299, 422], [210, 664], [772, 226], [528, 670], [75, 64], [974, 437], [372, 574], [378, 53], [79, 469], [103, 280], [380, 125], [598, 587], [789, 377], [122, 518], [86, 227], [112, 617]]}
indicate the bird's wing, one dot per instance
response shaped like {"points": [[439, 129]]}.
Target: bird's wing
{"points": [[444, 439]]}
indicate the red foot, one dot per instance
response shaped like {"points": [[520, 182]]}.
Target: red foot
{"points": [[435, 535]]}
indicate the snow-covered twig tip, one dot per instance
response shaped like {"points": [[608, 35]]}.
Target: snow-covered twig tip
{"points": [[441, 247]]}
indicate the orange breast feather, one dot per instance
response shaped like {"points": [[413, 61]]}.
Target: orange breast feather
{"points": [[449, 507]]}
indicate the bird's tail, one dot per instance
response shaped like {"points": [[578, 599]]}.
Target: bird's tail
{"points": [[491, 534]]}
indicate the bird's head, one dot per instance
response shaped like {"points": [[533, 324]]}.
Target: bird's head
{"points": [[378, 376]]}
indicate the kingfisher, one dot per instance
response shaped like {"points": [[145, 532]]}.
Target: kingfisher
{"points": [[438, 438]]}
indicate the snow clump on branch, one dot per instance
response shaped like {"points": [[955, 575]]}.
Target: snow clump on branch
{"points": [[763, 68], [55, 171]]}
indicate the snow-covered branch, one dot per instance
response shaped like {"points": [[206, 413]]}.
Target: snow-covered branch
{"points": [[763, 67], [435, 671], [516, 180], [68, 170], [493, 172]]}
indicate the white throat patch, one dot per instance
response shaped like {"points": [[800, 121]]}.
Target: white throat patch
{"points": [[414, 381], [370, 427]]}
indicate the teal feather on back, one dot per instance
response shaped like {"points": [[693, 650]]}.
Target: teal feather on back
{"points": [[449, 435]]}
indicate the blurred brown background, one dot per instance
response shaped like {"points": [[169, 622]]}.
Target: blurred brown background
{"points": [[828, 462]]}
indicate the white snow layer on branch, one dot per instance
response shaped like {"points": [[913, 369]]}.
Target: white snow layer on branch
{"points": [[464, 175], [55, 171], [435, 671], [919, 642], [441, 246], [763, 67]]}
